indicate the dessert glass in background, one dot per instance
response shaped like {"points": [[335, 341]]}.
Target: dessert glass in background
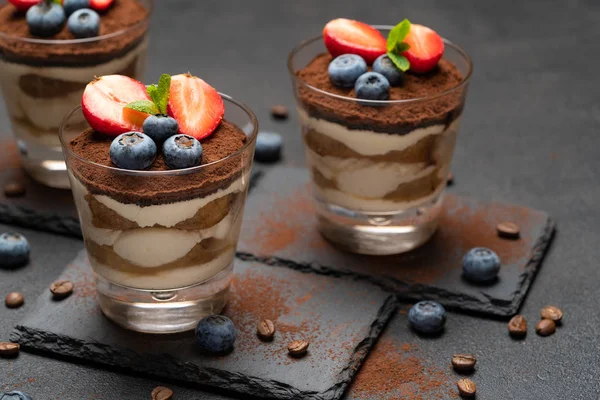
{"points": [[379, 167], [42, 79], [162, 243]]}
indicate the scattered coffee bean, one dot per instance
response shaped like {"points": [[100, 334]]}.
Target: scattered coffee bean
{"points": [[545, 327], [9, 349], [162, 393], [517, 326], [14, 189], [450, 179], [553, 313], [62, 289], [266, 329], [508, 230], [466, 387], [298, 348], [463, 362], [14, 300], [280, 111]]}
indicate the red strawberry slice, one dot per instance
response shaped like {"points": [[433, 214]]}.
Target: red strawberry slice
{"points": [[24, 5], [343, 36], [197, 106], [103, 101], [426, 48], [100, 5]]}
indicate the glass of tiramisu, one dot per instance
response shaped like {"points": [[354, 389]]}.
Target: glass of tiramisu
{"points": [[160, 186], [379, 119], [48, 53]]}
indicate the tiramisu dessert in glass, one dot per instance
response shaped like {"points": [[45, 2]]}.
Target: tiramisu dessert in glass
{"points": [[159, 175], [379, 120], [49, 51]]}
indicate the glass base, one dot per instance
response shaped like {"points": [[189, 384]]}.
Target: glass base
{"points": [[378, 233], [164, 311], [44, 164]]}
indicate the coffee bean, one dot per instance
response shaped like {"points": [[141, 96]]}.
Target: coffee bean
{"points": [[517, 326], [266, 329], [14, 300], [463, 362], [298, 348], [279, 111], [545, 327], [450, 179], [9, 349], [14, 189], [162, 393], [508, 230], [553, 313], [466, 387], [62, 289]]}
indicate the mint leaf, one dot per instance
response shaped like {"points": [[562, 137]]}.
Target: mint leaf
{"points": [[160, 95], [400, 61], [145, 106], [397, 35], [401, 48]]}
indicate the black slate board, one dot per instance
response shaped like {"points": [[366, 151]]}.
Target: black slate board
{"points": [[340, 317], [280, 229]]}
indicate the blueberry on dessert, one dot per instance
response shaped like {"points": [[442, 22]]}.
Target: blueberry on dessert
{"points": [[133, 150], [344, 70], [160, 127], [386, 67], [372, 86], [216, 334], [182, 151], [14, 250], [71, 6], [45, 19], [84, 23]]}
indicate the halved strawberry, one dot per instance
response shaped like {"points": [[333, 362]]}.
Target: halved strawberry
{"points": [[100, 5], [24, 5], [103, 101], [197, 106], [426, 48], [343, 36]]}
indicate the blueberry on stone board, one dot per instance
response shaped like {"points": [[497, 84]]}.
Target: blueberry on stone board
{"points": [[14, 250], [372, 86], [84, 23], [45, 19], [427, 317], [344, 70], [132, 150], [70, 6], [268, 147], [182, 151], [387, 68], [216, 334], [160, 127], [14, 395], [480, 265]]}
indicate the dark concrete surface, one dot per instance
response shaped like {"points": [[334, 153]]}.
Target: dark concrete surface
{"points": [[529, 136]]}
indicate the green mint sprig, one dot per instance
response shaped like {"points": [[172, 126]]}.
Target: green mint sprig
{"points": [[159, 95], [395, 45]]}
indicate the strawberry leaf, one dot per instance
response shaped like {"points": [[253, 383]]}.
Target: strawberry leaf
{"points": [[397, 35], [145, 106], [399, 61]]}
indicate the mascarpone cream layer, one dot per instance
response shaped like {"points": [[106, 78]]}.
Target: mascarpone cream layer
{"points": [[46, 114], [371, 143], [168, 279]]}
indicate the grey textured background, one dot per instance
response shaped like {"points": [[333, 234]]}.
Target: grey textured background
{"points": [[529, 136]]}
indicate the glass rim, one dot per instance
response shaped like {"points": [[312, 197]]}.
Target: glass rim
{"points": [[447, 42], [183, 171], [59, 42]]}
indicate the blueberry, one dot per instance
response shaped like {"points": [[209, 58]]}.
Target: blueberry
{"points": [[182, 151], [45, 19], [372, 86], [14, 250], [268, 147], [216, 334], [427, 317], [84, 23], [344, 70], [132, 150], [71, 6], [14, 395], [160, 127], [387, 68], [480, 265]]}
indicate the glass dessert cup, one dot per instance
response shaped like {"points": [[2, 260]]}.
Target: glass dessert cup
{"points": [[161, 267], [378, 186], [38, 93]]}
